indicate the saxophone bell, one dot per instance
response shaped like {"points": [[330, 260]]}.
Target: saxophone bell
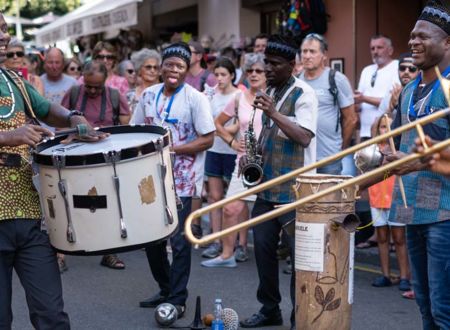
{"points": [[252, 174]]}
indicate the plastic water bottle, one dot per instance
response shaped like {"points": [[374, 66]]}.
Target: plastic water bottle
{"points": [[217, 324]]}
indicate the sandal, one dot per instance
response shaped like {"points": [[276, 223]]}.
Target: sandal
{"points": [[112, 261], [62, 265], [409, 294]]}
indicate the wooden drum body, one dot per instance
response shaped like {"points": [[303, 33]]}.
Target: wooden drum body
{"points": [[108, 196], [324, 254]]}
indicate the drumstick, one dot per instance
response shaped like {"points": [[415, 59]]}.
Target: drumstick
{"points": [[81, 130], [399, 178]]}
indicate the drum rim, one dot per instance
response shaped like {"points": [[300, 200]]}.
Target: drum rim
{"points": [[98, 158]]}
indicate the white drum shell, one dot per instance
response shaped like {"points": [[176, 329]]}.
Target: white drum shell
{"points": [[99, 231]]}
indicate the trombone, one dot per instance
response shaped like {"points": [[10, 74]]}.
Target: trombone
{"points": [[350, 182]]}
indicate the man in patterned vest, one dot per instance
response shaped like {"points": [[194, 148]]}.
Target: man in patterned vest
{"points": [[427, 193], [23, 246], [287, 142]]}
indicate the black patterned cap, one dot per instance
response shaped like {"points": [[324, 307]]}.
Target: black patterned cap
{"points": [[281, 46], [179, 49], [438, 13]]}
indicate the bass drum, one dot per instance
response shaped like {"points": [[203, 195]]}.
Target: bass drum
{"points": [[109, 196]]}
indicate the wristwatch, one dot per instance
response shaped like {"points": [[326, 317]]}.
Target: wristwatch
{"points": [[74, 113]]}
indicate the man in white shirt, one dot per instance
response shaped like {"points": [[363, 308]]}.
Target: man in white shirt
{"points": [[375, 82], [186, 112]]}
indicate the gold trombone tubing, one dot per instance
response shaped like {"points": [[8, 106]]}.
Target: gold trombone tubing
{"points": [[291, 206]]}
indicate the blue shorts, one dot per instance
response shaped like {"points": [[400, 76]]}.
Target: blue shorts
{"points": [[219, 165]]}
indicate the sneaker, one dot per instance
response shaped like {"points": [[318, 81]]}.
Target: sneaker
{"points": [[220, 262], [404, 284], [212, 251], [381, 281], [240, 254]]}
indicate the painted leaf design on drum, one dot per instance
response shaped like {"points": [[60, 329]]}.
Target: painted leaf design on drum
{"points": [[327, 303], [330, 296], [318, 294], [334, 305]]}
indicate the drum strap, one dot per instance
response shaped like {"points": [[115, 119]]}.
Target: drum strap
{"points": [[102, 106], [19, 83]]}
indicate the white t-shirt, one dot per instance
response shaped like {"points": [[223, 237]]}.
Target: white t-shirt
{"points": [[192, 111], [306, 110], [384, 81], [218, 103]]}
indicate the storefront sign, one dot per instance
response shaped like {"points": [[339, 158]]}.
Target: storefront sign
{"points": [[116, 18]]}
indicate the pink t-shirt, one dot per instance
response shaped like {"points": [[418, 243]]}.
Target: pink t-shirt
{"points": [[115, 81], [195, 81], [93, 108], [245, 111]]}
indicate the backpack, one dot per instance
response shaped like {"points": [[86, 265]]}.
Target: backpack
{"points": [[334, 92], [114, 97], [203, 78]]}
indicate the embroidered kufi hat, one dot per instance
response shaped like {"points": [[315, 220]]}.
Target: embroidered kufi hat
{"points": [[179, 49], [282, 46], [438, 13]]}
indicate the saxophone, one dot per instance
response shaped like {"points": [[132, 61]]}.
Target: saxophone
{"points": [[252, 172]]}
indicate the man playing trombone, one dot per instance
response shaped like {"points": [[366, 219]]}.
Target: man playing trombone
{"points": [[427, 193], [287, 142]]}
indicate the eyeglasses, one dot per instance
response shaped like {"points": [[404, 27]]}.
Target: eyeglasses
{"points": [[319, 38], [373, 79], [257, 71], [74, 68], [130, 71], [151, 67], [103, 57], [12, 54], [403, 68]]}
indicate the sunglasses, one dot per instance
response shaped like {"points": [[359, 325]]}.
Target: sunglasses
{"points": [[108, 57], [12, 54], [151, 67], [257, 71], [130, 71], [403, 68], [74, 68], [373, 79]]}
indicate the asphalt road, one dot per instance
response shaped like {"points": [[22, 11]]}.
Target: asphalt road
{"points": [[100, 298]]}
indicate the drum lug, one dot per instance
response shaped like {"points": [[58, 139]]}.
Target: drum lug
{"points": [[59, 161], [113, 157], [163, 173]]}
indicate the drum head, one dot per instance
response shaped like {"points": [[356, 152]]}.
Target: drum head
{"points": [[129, 141], [115, 142]]}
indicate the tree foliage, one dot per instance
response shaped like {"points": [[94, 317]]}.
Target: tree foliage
{"points": [[35, 8]]}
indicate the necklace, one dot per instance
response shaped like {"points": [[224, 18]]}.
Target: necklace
{"points": [[13, 104]]}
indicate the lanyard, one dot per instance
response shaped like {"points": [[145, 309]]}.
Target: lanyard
{"points": [[166, 117], [412, 112]]}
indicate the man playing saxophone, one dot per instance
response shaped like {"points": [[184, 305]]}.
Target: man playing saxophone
{"points": [[287, 142]]}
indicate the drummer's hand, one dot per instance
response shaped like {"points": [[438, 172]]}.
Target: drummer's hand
{"points": [[91, 135], [242, 162], [438, 162], [415, 165], [27, 134]]}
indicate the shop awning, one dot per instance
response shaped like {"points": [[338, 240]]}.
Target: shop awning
{"points": [[94, 17]]}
